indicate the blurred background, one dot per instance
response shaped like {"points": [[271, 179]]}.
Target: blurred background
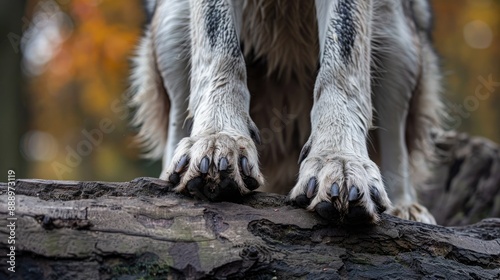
{"points": [[64, 70]]}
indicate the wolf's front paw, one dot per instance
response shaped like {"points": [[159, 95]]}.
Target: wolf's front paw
{"points": [[343, 188], [215, 167]]}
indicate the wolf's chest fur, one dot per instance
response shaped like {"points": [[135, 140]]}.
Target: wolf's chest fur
{"points": [[280, 43]]}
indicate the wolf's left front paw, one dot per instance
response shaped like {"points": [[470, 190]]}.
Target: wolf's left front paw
{"points": [[216, 167], [343, 188]]}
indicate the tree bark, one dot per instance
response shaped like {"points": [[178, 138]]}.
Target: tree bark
{"points": [[465, 187], [139, 229]]}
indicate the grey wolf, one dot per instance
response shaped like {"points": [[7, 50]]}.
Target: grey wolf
{"points": [[338, 86]]}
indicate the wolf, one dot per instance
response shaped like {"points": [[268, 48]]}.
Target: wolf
{"points": [[348, 88]]}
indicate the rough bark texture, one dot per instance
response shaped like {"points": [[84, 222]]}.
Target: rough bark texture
{"points": [[138, 229], [466, 183]]}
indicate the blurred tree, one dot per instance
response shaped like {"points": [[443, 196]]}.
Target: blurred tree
{"points": [[12, 108]]}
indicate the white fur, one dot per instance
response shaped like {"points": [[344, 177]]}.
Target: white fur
{"points": [[170, 24], [341, 117], [402, 77], [150, 99], [217, 80]]}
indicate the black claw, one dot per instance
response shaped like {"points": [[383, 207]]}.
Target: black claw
{"points": [[302, 201], [311, 187], [375, 196], [223, 164], [181, 164], [327, 211], [354, 194], [335, 190], [304, 153], [244, 166], [174, 178], [204, 165]]}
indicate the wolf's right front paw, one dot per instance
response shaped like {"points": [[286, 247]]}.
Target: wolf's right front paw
{"points": [[215, 167], [340, 187]]}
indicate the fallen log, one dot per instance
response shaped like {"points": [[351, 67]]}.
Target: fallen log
{"points": [[98, 230], [465, 187]]}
